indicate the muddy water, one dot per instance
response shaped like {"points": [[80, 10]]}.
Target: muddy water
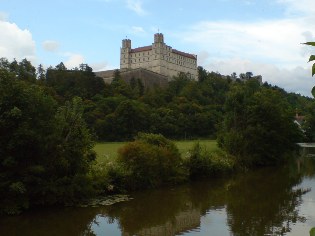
{"points": [[272, 201]]}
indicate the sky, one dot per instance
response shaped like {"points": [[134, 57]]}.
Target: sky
{"points": [[259, 36]]}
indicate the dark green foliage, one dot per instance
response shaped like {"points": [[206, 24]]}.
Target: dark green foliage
{"points": [[202, 163], [309, 124], [258, 127], [70, 83], [151, 161], [118, 118], [45, 152]]}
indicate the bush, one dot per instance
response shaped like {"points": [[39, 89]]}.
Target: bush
{"points": [[202, 163], [151, 161], [108, 177]]}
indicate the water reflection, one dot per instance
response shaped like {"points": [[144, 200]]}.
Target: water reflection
{"points": [[261, 202]]}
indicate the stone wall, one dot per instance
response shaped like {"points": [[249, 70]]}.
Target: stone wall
{"points": [[147, 77]]}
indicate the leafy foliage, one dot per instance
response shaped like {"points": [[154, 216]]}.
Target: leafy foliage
{"points": [[312, 58], [70, 83], [45, 152], [258, 127], [202, 163], [45, 155], [151, 161]]}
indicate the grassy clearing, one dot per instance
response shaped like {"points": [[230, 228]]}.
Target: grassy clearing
{"points": [[109, 150]]}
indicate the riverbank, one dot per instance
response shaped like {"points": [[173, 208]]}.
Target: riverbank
{"points": [[267, 201]]}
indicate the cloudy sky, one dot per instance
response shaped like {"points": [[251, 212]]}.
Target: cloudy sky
{"points": [[261, 36]]}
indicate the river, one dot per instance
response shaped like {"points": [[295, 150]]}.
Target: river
{"points": [[269, 201]]}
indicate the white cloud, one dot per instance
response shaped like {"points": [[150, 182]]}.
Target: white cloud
{"points": [[301, 6], [296, 80], [278, 42], [50, 45], [15, 42], [137, 29], [136, 6], [271, 48], [203, 57], [3, 16], [101, 66], [73, 60]]}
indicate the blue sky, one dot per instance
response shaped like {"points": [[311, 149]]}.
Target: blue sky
{"points": [[261, 36]]}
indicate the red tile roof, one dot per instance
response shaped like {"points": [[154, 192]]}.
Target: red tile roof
{"points": [[184, 54], [148, 48], [142, 49]]}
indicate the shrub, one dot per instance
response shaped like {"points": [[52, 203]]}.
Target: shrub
{"points": [[202, 163], [151, 161], [108, 177]]}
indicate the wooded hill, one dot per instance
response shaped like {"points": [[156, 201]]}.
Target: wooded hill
{"points": [[186, 109]]}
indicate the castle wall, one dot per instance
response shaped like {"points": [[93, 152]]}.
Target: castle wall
{"points": [[159, 58]]}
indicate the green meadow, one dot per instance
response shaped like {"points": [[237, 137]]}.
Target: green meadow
{"points": [[109, 149]]}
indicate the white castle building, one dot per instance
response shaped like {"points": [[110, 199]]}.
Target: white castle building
{"points": [[159, 58]]}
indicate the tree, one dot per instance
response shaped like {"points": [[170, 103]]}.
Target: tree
{"points": [[41, 73], [71, 83], [249, 75], [4, 64], [131, 117], [234, 76], [258, 127], [202, 73], [26, 71], [26, 119], [151, 161], [46, 152], [61, 66]]}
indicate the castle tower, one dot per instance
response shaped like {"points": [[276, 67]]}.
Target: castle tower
{"points": [[125, 54], [158, 38], [126, 43], [158, 51]]}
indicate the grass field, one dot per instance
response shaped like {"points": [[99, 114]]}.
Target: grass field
{"points": [[109, 150]]}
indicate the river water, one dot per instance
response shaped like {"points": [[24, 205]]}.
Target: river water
{"points": [[271, 201]]}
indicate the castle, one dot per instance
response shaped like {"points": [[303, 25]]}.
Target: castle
{"points": [[153, 65], [159, 58]]}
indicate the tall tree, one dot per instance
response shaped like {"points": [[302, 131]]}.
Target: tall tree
{"points": [[41, 73], [61, 66], [45, 153], [258, 127]]}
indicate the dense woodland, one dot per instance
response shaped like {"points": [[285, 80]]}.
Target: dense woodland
{"points": [[50, 118], [186, 109]]}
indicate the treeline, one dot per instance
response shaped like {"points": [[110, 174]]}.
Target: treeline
{"points": [[186, 109]]}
